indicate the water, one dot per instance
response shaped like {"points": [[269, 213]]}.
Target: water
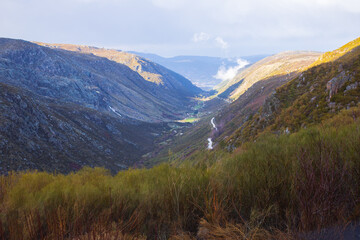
{"points": [[210, 143]]}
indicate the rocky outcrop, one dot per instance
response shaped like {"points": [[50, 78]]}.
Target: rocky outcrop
{"points": [[336, 83]]}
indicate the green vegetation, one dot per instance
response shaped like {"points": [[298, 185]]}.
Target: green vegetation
{"points": [[268, 189], [189, 120], [199, 104]]}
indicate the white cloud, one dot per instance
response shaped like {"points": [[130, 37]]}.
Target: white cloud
{"points": [[201, 37], [168, 4], [347, 5], [205, 37], [221, 43], [230, 72]]}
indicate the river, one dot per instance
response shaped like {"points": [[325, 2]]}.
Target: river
{"points": [[210, 142]]}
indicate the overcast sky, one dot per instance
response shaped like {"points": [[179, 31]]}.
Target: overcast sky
{"points": [[223, 28]]}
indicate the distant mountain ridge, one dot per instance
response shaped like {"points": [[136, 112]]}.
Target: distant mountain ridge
{"points": [[199, 69]]}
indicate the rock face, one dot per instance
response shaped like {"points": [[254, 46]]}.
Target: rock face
{"points": [[337, 82], [62, 110]]}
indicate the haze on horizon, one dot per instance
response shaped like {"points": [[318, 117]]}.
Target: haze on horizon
{"points": [[224, 28]]}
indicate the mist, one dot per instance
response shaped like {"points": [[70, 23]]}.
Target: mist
{"points": [[227, 73]]}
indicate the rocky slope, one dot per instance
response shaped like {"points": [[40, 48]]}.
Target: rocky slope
{"points": [[91, 81], [61, 110], [39, 133], [164, 78]]}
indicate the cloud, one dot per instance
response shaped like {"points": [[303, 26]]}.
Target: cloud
{"points": [[230, 72], [240, 27], [221, 43], [351, 6], [204, 37], [168, 4], [201, 37]]}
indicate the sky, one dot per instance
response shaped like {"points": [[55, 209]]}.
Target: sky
{"points": [[223, 28]]}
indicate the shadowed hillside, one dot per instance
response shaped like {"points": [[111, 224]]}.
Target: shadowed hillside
{"points": [[62, 110], [40, 133], [90, 81]]}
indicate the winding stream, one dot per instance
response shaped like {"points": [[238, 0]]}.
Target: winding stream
{"points": [[213, 123], [210, 142]]}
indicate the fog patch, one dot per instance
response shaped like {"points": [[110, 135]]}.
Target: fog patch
{"points": [[227, 73]]}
